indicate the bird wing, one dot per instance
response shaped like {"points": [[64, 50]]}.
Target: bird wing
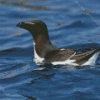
{"points": [[83, 57]]}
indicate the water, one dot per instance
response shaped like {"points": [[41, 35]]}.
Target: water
{"points": [[71, 24]]}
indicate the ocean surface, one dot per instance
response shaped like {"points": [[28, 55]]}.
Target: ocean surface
{"points": [[71, 24]]}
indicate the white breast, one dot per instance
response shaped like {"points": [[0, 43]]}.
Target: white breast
{"points": [[37, 59]]}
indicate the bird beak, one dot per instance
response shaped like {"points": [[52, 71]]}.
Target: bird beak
{"points": [[20, 24]]}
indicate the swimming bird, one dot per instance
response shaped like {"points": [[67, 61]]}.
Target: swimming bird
{"points": [[45, 51]]}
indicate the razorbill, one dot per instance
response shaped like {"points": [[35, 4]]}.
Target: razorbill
{"points": [[45, 51]]}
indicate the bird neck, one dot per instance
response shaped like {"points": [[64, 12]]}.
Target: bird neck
{"points": [[43, 46]]}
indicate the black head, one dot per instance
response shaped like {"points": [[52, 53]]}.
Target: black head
{"points": [[36, 27]]}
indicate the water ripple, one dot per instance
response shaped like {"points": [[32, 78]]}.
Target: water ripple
{"points": [[71, 24]]}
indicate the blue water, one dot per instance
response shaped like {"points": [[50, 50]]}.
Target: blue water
{"points": [[71, 24]]}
